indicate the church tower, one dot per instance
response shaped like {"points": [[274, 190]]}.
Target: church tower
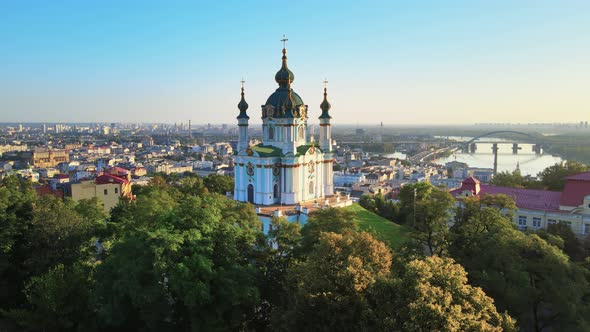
{"points": [[285, 168], [326, 142], [325, 129], [284, 115], [243, 122]]}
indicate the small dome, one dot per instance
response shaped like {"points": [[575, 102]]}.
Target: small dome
{"points": [[284, 76], [243, 106], [325, 106]]}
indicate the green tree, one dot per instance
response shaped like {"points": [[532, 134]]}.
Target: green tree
{"points": [[220, 184], [17, 200], [553, 177], [433, 295], [327, 290], [508, 179], [181, 264], [527, 276], [409, 196], [59, 301], [333, 220], [433, 216], [278, 255], [571, 245]]}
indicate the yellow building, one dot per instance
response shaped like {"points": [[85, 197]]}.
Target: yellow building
{"points": [[107, 188], [43, 158]]}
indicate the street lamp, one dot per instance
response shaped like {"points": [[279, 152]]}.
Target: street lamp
{"points": [[415, 194]]}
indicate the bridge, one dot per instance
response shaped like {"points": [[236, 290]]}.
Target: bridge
{"points": [[471, 145]]}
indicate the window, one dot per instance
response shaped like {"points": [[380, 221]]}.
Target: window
{"points": [[116, 190], [106, 191], [301, 135], [521, 220], [271, 132], [586, 229], [311, 187], [551, 222], [537, 222], [569, 223]]}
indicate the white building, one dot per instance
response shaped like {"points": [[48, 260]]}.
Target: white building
{"points": [[286, 167], [537, 209], [348, 179]]}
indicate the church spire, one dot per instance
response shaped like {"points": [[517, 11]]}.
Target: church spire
{"points": [[243, 105], [325, 105], [284, 76], [289, 105]]}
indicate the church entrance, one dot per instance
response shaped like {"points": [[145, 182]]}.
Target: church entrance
{"points": [[251, 193]]}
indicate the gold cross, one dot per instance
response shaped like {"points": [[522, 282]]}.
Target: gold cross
{"points": [[325, 83], [284, 40], [242, 81]]}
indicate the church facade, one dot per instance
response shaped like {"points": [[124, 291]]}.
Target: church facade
{"points": [[287, 167]]}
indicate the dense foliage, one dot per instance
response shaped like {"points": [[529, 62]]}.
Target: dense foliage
{"points": [[551, 178], [183, 257]]}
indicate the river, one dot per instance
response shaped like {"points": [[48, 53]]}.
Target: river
{"points": [[530, 163]]}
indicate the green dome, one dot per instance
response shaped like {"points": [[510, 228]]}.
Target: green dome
{"points": [[243, 106], [280, 96], [284, 76], [284, 101], [325, 106]]}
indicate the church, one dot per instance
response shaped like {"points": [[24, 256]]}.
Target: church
{"points": [[288, 167]]}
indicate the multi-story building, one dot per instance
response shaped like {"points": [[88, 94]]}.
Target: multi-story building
{"points": [[107, 188], [43, 158], [537, 209]]}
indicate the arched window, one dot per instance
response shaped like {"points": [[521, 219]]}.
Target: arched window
{"points": [[276, 190], [251, 193], [311, 187], [301, 135], [271, 132]]}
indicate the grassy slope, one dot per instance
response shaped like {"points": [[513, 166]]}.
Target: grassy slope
{"points": [[385, 230]]}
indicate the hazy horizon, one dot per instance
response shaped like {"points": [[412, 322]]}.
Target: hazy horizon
{"points": [[433, 63]]}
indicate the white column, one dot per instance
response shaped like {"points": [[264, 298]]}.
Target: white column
{"points": [[243, 134], [325, 135]]}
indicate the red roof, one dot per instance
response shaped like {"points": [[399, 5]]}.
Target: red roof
{"points": [[470, 180], [47, 190], [532, 199], [580, 177], [108, 178], [119, 170], [577, 186]]}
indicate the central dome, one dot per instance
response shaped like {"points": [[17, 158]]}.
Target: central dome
{"points": [[280, 96], [280, 100]]}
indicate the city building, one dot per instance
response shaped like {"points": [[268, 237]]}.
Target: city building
{"points": [[537, 209], [43, 158], [106, 187], [286, 168]]}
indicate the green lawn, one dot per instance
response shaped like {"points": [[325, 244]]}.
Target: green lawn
{"points": [[385, 230]]}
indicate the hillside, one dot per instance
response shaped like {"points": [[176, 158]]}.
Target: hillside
{"points": [[389, 232]]}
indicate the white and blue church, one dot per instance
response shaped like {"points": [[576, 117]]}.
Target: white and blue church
{"points": [[287, 167]]}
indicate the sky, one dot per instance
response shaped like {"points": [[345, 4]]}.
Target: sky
{"points": [[396, 62]]}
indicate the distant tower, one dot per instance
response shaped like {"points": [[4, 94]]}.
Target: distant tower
{"points": [[326, 142], [243, 122], [325, 130], [190, 131]]}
